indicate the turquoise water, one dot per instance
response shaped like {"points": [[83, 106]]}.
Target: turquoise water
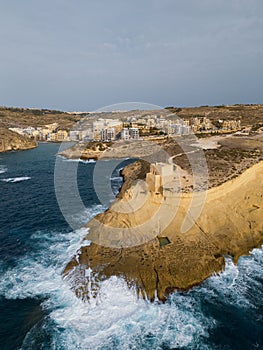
{"points": [[39, 311]]}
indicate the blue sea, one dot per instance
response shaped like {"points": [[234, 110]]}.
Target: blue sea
{"points": [[38, 310]]}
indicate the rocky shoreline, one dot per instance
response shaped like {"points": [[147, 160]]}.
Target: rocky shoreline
{"points": [[108, 150], [12, 141], [132, 239]]}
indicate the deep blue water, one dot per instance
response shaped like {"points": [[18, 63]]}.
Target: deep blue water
{"points": [[39, 311]]}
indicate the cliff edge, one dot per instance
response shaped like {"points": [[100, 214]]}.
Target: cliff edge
{"points": [[12, 141], [157, 245]]}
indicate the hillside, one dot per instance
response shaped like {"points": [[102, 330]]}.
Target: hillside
{"points": [[249, 114], [11, 141], [23, 117]]}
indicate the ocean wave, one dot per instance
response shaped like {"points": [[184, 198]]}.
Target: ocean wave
{"points": [[16, 179], [3, 169], [87, 214], [78, 160], [116, 318], [116, 178]]}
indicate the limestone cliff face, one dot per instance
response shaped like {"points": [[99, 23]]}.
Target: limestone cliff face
{"points": [[127, 240], [12, 141], [133, 172]]}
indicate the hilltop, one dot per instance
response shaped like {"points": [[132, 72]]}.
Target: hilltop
{"points": [[24, 117], [249, 114]]}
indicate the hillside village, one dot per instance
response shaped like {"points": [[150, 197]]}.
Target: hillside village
{"points": [[134, 128], [171, 122]]}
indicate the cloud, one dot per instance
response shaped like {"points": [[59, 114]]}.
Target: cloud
{"points": [[86, 54]]}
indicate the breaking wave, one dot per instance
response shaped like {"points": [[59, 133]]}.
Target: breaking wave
{"points": [[16, 179], [78, 160], [223, 313], [116, 318], [116, 178], [3, 169]]}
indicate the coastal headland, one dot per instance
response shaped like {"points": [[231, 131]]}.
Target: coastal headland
{"points": [[12, 141], [157, 245], [164, 238], [160, 237], [18, 126]]}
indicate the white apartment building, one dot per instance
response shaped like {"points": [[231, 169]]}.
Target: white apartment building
{"points": [[101, 125], [134, 133], [107, 135], [125, 134]]}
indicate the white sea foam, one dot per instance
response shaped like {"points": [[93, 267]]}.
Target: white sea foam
{"points": [[116, 319], [234, 282], [16, 179], [88, 213], [116, 315], [78, 160], [87, 161], [3, 169], [116, 178]]}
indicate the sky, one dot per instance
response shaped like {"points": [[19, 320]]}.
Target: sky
{"points": [[82, 55]]}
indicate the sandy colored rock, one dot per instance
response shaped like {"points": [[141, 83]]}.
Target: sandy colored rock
{"points": [[12, 141], [108, 150], [126, 244]]}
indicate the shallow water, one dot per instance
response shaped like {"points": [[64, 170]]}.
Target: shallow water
{"points": [[39, 310]]}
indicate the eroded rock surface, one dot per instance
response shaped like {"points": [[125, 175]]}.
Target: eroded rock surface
{"points": [[125, 243], [12, 141]]}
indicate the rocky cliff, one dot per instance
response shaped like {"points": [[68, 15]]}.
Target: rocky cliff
{"points": [[12, 141], [157, 244]]}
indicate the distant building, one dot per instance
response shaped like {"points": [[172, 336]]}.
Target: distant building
{"points": [[101, 126], [125, 135], [107, 135], [98, 125], [35, 134], [53, 137], [87, 134], [185, 130], [231, 124], [62, 135], [44, 134], [74, 135], [29, 131], [134, 133], [130, 134], [177, 129], [59, 136]]}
